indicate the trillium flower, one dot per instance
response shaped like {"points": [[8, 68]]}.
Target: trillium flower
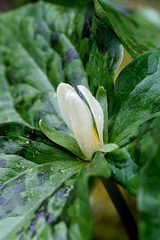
{"points": [[78, 117]]}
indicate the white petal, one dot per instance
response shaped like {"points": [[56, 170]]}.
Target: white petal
{"points": [[96, 111], [62, 90], [81, 120]]}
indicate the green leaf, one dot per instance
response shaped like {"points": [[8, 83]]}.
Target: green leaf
{"points": [[42, 45], [30, 143], [78, 205], [107, 148], [8, 113], [136, 98], [149, 192], [32, 168], [135, 31], [62, 139], [101, 59], [102, 99], [60, 47], [126, 163], [131, 116], [49, 57], [49, 213], [124, 169]]}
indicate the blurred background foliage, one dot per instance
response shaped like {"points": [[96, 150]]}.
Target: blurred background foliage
{"points": [[108, 225], [6, 5]]}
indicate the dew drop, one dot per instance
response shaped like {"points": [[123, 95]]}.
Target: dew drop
{"points": [[61, 170]]}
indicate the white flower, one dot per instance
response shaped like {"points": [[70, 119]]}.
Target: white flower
{"points": [[78, 117]]}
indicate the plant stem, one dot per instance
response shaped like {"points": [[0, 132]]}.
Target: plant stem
{"points": [[121, 207]]}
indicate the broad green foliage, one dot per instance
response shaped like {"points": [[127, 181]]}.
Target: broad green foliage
{"points": [[32, 169], [138, 30], [44, 190], [135, 105], [78, 205], [40, 46], [101, 66], [149, 198], [136, 98]]}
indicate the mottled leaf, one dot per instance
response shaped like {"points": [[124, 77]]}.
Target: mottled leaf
{"points": [[44, 187], [101, 59], [137, 33], [78, 205], [136, 98], [149, 191], [42, 45], [32, 168], [124, 169]]}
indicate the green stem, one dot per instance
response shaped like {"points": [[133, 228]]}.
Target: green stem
{"points": [[121, 207]]}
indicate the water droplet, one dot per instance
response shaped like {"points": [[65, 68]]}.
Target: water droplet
{"points": [[61, 170], [67, 191]]}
